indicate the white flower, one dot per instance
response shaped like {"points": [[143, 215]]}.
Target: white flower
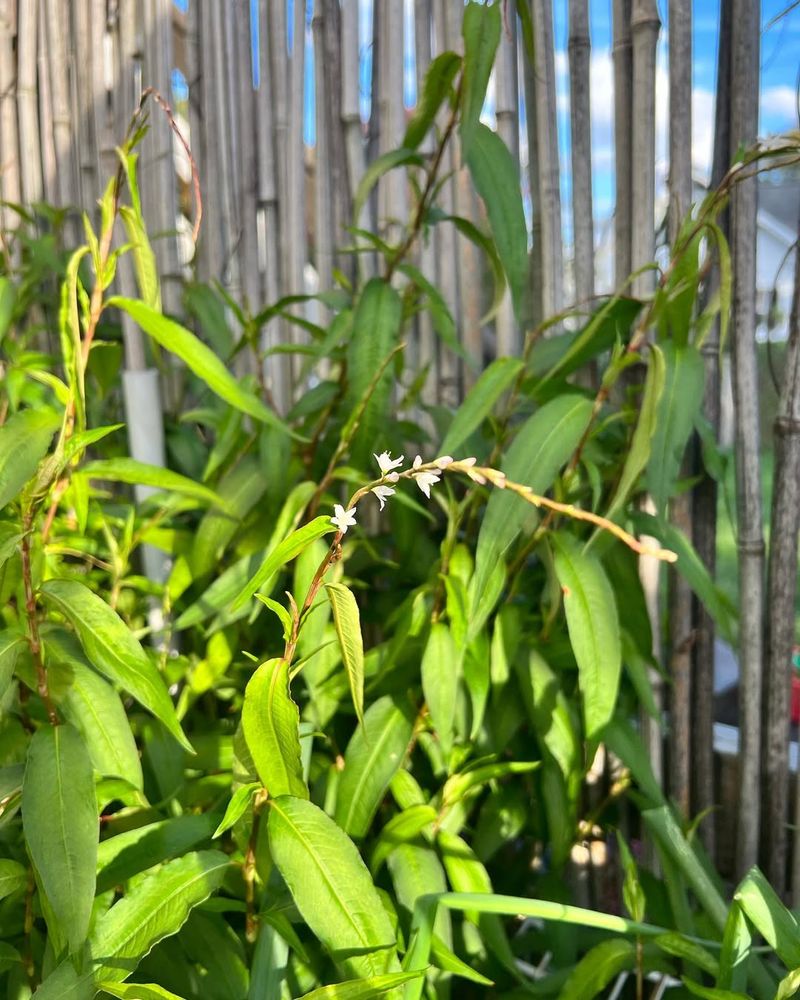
{"points": [[392, 477], [425, 479], [386, 463], [466, 465], [443, 462], [342, 518], [383, 493]]}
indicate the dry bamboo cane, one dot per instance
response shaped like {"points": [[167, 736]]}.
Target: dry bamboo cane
{"points": [[350, 97], [229, 73], [705, 494], [83, 125], [27, 103], [508, 339], [296, 248], [59, 87], [211, 248], [247, 170], [426, 248], [680, 593], [645, 25], [106, 141], [9, 149], [192, 71], [549, 179], [46, 135], [341, 197], [278, 367], [581, 126], [537, 250], [449, 384], [744, 125], [781, 595], [623, 82], [323, 188]]}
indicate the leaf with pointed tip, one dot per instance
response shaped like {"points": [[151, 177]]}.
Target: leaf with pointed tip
{"points": [[347, 622], [113, 649], [129, 470], [480, 401], [362, 989], [24, 440], [59, 818], [481, 27]]}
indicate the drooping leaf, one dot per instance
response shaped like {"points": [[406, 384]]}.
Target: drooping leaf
{"points": [[347, 622], [276, 558], [481, 27], [549, 710], [270, 720], [331, 887], [594, 630], [440, 669], [199, 359], [436, 88], [362, 989], [542, 446], [373, 756], [598, 968], [680, 402], [113, 649], [376, 327], [763, 908], [129, 470], [496, 179], [480, 401], [60, 821], [24, 440]]}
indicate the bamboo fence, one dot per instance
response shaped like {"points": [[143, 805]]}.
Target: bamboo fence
{"points": [[277, 208]]}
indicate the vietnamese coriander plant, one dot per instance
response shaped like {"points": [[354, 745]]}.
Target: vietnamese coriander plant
{"points": [[383, 784]]}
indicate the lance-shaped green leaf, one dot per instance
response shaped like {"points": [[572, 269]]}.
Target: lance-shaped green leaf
{"points": [[276, 559], [113, 649], [598, 968], [271, 721], [376, 327], [542, 446], [480, 401], [436, 88], [440, 669], [374, 755], [549, 710], [238, 805], [199, 359], [69, 328], [137, 991], [13, 877], [11, 645], [678, 406], [144, 259], [401, 828], [639, 452], [594, 632], [331, 887], [24, 440], [59, 818], [735, 954], [347, 622], [129, 470], [382, 165], [481, 27], [765, 911], [496, 179], [362, 989], [240, 491], [155, 909], [711, 992], [8, 298]]}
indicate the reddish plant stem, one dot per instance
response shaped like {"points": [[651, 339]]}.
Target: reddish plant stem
{"points": [[33, 623]]}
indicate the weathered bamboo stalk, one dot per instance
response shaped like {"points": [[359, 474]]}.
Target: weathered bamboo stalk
{"points": [[350, 97], [744, 127], [323, 187], [705, 494], [247, 169], [781, 595], [81, 91], [9, 149], [27, 101], [56, 15], [680, 593], [534, 185], [645, 25], [508, 339], [46, 137], [229, 72], [296, 211], [549, 174], [334, 73], [581, 130], [623, 82]]}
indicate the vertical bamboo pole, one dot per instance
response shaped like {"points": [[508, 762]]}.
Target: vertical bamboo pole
{"points": [[508, 340], [27, 103], [705, 494], [534, 185], [392, 194], [341, 201], [83, 123], [323, 186], [212, 248], [581, 128], [549, 174], [46, 134], [645, 26], [232, 152], [680, 597], [296, 243], [56, 14], [623, 83], [350, 96], [781, 595], [9, 148], [247, 170], [744, 127]]}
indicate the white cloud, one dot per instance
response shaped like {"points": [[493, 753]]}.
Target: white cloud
{"points": [[780, 102]]}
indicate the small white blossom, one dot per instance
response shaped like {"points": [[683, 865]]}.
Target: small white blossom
{"points": [[476, 477], [392, 477], [443, 462], [425, 479], [343, 519], [383, 493], [386, 463]]}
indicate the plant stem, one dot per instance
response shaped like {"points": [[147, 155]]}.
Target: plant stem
{"points": [[33, 623]]}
